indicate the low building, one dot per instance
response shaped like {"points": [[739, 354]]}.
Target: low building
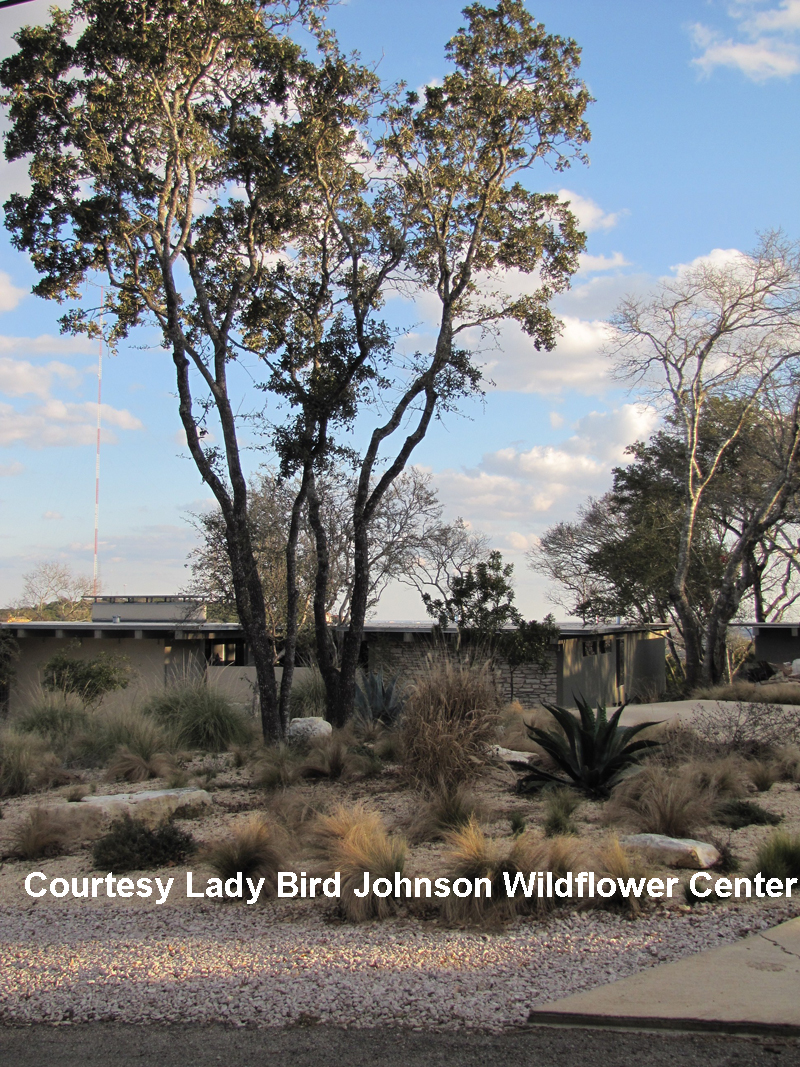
{"points": [[167, 639], [604, 664]]}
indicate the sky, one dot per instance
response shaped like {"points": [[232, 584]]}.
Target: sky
{"points": [[695, 148]]}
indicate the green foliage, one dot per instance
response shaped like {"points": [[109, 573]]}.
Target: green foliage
{"points": [[131, 845], [130, 729], [87, 679], [517, 823], [200, 716], [378, 700], [480, 600], [738, 813], [591, 749]]}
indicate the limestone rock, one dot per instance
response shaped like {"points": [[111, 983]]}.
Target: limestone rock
{"points": [[676, 851], [151, 805], [303, 731], [509, 754]]}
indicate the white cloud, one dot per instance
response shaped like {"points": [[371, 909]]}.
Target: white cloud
{"points": [[556, 420], [576, 363], [52, 516], [594, 264], [764, 46], [18, 377], [55, 423], [589, 213], [47, 344], [10, 294]]}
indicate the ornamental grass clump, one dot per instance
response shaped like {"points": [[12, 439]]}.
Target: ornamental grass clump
{"points": [[444, 809], [778, 857], [131, 767], [27, 764], [450, 719], [256, 847], [56, 717], [109, 732], [355, 842], [277, 768], [738, 813], [658, 801], [40, 834], [200, 716], [590, 751], [560, 804], [473, 856]]}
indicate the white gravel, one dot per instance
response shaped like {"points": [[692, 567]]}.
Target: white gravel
{"points": [[255, 966]]}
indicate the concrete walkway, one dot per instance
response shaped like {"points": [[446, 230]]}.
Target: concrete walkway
{"points": [[751, 987]]}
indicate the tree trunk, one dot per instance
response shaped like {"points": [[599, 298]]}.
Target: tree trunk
{"points": [[326, 650], [292, 599]]}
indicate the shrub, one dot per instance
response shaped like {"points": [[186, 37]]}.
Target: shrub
{"points": [[41, 833], [201, 717], [738, 813], [723, 777], [132, 767], [450, 719], [57, 717], [559, 806], [308, 697], [763, 775], [590, 749], [445, 809], [748, 692], [747, 729], [353, 841], [278, 767], [656, 801], [778, 856], [131, 845], [256, 847], [26, 764], [88, 679]]}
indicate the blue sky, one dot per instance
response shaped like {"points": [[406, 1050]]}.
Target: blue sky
{"points": [[695, 147]]}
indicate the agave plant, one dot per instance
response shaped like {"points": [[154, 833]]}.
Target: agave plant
{"points": [[378, 700], [592, 752]]}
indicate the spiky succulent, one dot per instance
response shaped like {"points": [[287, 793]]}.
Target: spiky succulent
{"points": [[591, 749]]}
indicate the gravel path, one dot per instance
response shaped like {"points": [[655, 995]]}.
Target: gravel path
{"points": [[242, 966]]}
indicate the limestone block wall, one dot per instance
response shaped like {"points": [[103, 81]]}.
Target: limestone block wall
{"points": [[408, 659]]}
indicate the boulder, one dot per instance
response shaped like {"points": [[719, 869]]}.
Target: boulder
{"points": [[304, 731], [508, 755], [675, 851], [152, 806]]}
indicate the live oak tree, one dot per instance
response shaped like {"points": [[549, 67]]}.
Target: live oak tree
{"points": [[417, 198], [163, 164], [260, 208]]}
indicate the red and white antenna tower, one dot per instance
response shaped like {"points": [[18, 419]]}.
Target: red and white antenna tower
{"points": [[97, 452]]}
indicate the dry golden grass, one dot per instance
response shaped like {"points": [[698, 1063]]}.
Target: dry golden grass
{"points": [[41, 833], [514, 719], [450, 718], [27, 764], [353, 840], [471, 854], [277, 767], [725, 777], [132, 767], [255, 846], [787, 763], [333, 758], [658, 801], [444, 810], [294, 811], [750, 692]]}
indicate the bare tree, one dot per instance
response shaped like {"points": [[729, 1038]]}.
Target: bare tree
{"points": [[720, 331], [53, 591]]}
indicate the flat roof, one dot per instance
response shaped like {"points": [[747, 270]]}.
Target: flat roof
{"points": [[125, 629]]}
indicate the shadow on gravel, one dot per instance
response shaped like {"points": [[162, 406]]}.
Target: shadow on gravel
{"points": [[110, 1045]]}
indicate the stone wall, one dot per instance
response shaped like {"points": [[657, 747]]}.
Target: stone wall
{"points": [[407, 659]]}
